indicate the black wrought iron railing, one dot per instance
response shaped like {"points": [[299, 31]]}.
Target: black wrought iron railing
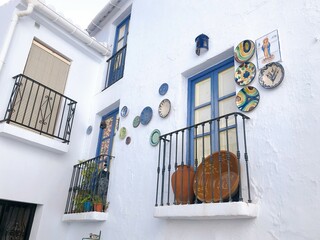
{"points": [[204, 163], [116, 66], [89, 186], [41, 109]]}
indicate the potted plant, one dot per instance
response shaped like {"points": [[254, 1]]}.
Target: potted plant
{"points": [[87, 202], [97, 203]]}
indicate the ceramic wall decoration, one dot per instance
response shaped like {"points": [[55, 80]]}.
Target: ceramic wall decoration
{"points": [[123, 133], [163, 89], [245, 73], [244, 51], [271, 75], [146, 115], [128, 140], [268, 49], [124, 111], [136, 121], [247, 99], [164, 108], [155, 137]]}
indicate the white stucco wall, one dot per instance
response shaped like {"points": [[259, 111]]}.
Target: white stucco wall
{"points": [[282, 132]]}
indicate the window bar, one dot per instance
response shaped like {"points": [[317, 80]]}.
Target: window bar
{"points": [[36, 122], [246, 158], [175, 168], [196, 159], [211, 162], [182, 166], [62, 115], [45, 111], [34, 103], [21, 97], [70, 117], [158, 170], [70, 192], [27, 104], [238, 157], [169, 168], [189, 166], [203, 166], [220, 160], [228, 158], [163, 169], [8, 113]]}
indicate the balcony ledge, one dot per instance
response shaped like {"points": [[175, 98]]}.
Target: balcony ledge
{"points": [[232, 210], [85, 217], [29, 137]]}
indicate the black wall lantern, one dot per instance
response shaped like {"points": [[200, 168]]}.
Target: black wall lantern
{"points": [[103, 124], [202, 44]]}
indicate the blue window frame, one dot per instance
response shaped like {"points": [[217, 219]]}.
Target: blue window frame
{"points": [[211, 94], [106, 134], [117, 61]]}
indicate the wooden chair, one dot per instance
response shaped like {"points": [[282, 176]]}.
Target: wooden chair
{"points": [[93, 236]]}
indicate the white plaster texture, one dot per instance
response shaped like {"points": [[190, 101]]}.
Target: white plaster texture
{"points": [[282, 132]]}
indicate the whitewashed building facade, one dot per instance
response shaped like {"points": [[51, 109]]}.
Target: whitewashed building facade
{"points": [[92, 89]]}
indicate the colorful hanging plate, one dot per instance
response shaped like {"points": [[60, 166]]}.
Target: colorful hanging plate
{"points": [[146, 115], [164, 108], [245, 73], [124, 111], [163, 89], [247, 99], [244, 51], [271, 75], [128, 140], [155, 137], [136, 121], [123, 133]]}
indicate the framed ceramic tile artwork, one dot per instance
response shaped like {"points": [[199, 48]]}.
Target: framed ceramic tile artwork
{"points": [[268, 49]]}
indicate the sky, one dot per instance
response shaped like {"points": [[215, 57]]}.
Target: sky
{"points": [[81, 12]]}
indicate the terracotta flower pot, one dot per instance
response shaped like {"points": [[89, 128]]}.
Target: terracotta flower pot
{"points": [[98, 207], [182, 184]]}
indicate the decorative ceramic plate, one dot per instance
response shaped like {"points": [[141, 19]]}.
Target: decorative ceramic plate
{"points": [[155, 137], [247, 99], [89, 130], [206, 184], [164, 108], [123, 133], [245, 73], [244, 51], [146, 115], [136, 121], [124, 111], [271, 75], [163, 89], [128, 140]]}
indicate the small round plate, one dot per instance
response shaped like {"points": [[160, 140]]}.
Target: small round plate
{"points": [[89, 130], [146, 115], [128, 140], [245, 73], [164, 108], [136, 121], [244, 51], [271, 75], [123, 133], [155, 137], [247, 99], [124, 111], [163, 89]]}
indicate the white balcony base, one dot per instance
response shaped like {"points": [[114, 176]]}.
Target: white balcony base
{"points": [[85, 217], [232, 210]]}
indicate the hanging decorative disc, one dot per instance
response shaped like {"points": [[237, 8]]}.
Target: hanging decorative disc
{"points": [[146, 115], [247, 99], [244, 51], [245, 73], [163, 89], [123, 133], [136, 121], [155, 137], [271, 75], [124, 111], [164, 108]]}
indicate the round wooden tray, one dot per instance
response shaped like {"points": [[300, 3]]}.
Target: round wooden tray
{"points": [[206, 183]]}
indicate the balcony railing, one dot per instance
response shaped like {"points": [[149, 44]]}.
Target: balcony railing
{"points": [[89, 185], [41, 109], [116, 66], [204, 163]]}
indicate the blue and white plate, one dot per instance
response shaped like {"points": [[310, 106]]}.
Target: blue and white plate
{"points": [[163, 89], [146, 115], [124, 111]]}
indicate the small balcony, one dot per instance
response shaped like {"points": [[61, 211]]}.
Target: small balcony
{"points": [[88, 188], [203, 171], [41, 109], [116, 66]]}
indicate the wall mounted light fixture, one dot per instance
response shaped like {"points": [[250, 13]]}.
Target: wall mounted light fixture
{"points": [[202, 44]]}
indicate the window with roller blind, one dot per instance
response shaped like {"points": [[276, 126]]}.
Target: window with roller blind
{"points": [[212, 94]]}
